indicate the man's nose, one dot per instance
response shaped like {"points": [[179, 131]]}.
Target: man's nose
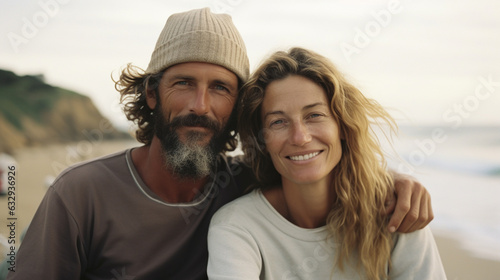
{"points": [[201, 101]]}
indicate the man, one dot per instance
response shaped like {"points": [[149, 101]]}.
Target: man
{"points": [[144, 213]]}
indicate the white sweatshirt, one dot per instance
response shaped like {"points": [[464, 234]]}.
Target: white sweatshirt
{"points": [[249, 239]]}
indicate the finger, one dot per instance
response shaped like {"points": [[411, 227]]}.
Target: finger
{"points": [[412, 215], [390, 203], [429, 214], [402, 207], [423, 216]]}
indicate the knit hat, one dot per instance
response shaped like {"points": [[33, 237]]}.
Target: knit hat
{"points": [[200, 36]]}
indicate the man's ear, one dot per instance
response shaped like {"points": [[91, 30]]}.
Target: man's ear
{"points": [[151, 98]]}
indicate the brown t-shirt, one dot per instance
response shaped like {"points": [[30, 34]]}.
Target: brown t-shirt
{"points": [[100, 221]]}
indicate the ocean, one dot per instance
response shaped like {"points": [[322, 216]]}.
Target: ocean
{"points": [[460, 167]]}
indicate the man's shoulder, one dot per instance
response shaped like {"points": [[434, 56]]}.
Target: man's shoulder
{"points": [[234, 161], [93, 168], [240, 170]]}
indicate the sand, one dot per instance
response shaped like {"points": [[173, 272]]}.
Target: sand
{"points": [[37, 165], [460, 264]]}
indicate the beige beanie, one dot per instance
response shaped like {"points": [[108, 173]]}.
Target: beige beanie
{"points": [[200, 36]]}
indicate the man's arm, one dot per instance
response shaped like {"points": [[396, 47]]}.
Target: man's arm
{"points": [[410, 205], [52, 247]]}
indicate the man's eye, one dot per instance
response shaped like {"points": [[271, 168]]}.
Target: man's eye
{"points": [[182, 83], [219, 87]]}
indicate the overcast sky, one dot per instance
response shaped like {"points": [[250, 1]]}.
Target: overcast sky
{"points": [[429, 62]]}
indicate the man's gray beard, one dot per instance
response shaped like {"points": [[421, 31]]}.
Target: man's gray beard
{"points": [[188, 160], [191, 159]]}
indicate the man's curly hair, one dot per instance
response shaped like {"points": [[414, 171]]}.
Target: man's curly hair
{"points": [[133, 85]]}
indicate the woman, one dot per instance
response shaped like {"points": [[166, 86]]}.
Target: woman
{"points": [[317, 212]]}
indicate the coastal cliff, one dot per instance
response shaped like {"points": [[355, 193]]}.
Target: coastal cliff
{"points": [[34, 113]]}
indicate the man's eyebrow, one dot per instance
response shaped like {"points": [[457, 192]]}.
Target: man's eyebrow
{"points": [[191, 78], [181, 77]]}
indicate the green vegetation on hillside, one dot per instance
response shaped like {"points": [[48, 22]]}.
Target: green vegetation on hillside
{"points": [[27, 96], [33, 112]]}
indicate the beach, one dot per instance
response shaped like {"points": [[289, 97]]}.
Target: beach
{"points": [[460, 264], [37, 166]]}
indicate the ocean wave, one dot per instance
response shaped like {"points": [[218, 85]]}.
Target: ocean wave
{"points": [[462, 165]]}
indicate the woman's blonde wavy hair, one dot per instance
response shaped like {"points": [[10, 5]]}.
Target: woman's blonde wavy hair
{"points": [[133, 85], [361, 180]]}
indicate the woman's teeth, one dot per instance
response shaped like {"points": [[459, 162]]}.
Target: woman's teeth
{"points": [[304, 157]]}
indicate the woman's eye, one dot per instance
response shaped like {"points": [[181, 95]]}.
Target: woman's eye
{"points": [[315, 115], [276, 123]]}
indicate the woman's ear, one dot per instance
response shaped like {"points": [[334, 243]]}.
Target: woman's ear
{"points": [[151, 98]]}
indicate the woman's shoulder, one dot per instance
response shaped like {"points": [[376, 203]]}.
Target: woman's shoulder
{"points": [[238, 211], [416, 254], [413, 238]]}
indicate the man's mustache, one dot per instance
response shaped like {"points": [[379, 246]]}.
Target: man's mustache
{"points": [[195, 120]]}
